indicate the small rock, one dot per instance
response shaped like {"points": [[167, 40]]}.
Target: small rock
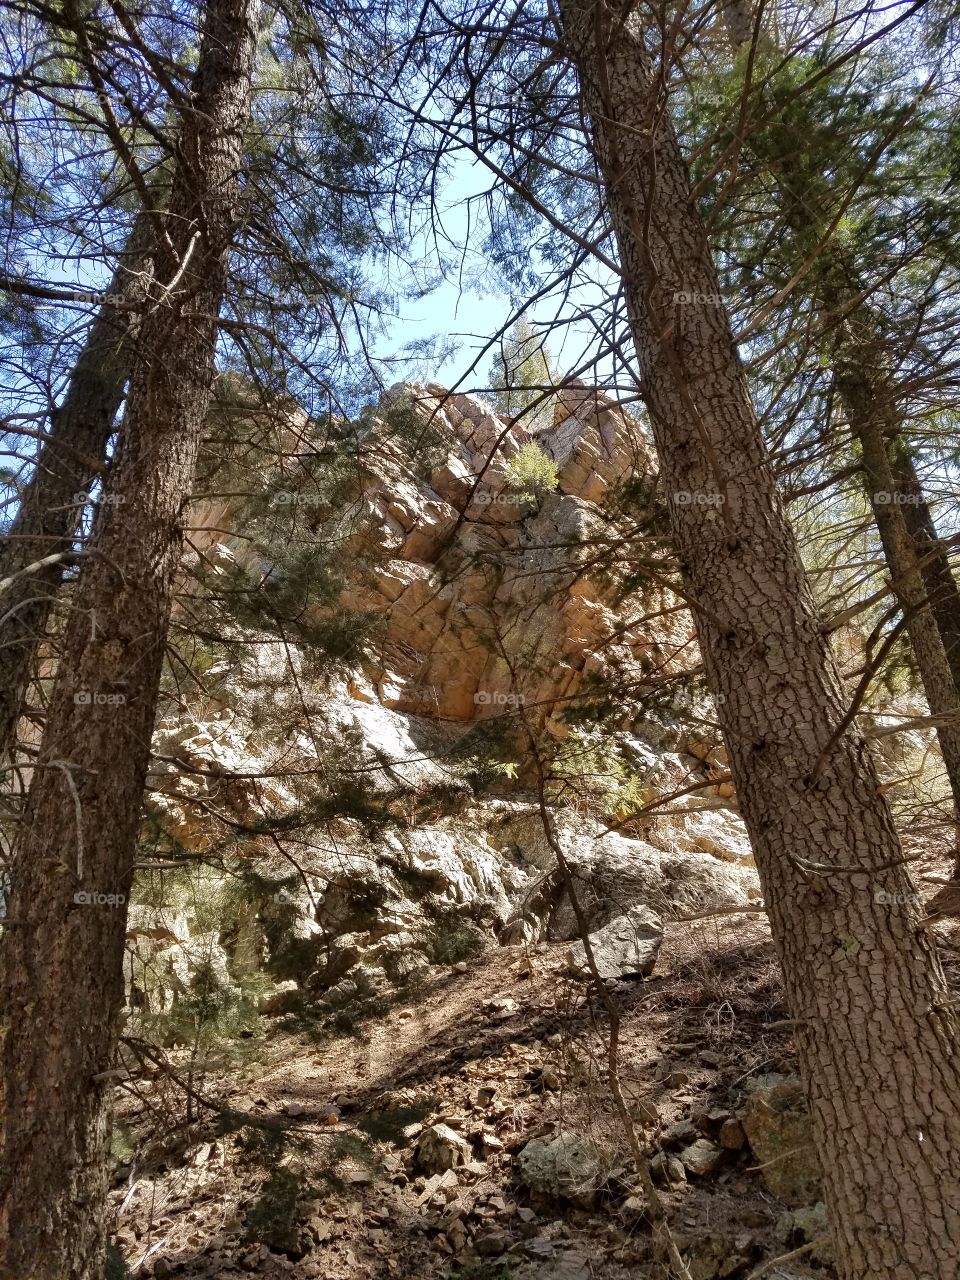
{"points": [[294, 1109], [755, 1218], [440, 1148], [460, 966], [701, 1158], [644, 1111], [503, 1005], [680, 1133], [677, 1079], [803, 1226], [457, 1235], [710, 1257], [634, 1207], [493, 1243], [732, 1136], [777, 1125], [285, 997], [550, 1078], [667, 1169]]}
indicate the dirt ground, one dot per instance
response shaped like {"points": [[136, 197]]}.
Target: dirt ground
{"points": [[312, 1171]]}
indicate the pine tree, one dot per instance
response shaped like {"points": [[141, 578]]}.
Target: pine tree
{"points": [[874, 1020], [521, 377], [61, 965]]}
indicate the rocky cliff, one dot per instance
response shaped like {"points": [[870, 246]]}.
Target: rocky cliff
{"points": [[380, 811]]}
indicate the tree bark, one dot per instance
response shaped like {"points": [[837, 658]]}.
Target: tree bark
{"points": [[68, 463], [879, 1042], [866, 396], [941, 583], [61, 961], [917, 560]]}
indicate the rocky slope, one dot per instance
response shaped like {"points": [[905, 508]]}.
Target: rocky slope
{"points": [[424, 1090]]}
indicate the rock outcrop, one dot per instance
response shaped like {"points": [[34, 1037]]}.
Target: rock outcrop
{"points": [[493, 605]]}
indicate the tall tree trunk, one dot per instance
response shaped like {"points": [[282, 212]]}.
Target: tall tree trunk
{"points": [[867, 397], [61, 960], [68, 463], [879, 1042], [941, 583], [917, 560]]}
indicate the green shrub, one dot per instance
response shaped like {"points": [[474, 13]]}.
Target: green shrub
{"points": [[449, 938], [531, 473]]}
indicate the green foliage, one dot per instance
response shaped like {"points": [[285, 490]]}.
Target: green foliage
{"points": [[409, 427], [123, 1145], [484, 756], [519, 373], [589, 765], [449, 938], [531, 473]]}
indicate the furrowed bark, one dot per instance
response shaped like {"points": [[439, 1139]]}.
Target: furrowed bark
{"points": [[61, 962], [878, 1038], [867, 399], [938, 575], [67, 464], [918, 563]]}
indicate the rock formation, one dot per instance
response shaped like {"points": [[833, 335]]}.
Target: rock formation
{"points": [[494, 605]]}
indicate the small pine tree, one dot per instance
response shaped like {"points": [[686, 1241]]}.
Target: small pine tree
{"points": [[531, 473], [519, 373]]}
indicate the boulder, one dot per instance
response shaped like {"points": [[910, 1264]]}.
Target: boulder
{"points": [[567, 1166], [627, 947], [803, 1226], [701, 1158], [611, 874], [778, 1128]]}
